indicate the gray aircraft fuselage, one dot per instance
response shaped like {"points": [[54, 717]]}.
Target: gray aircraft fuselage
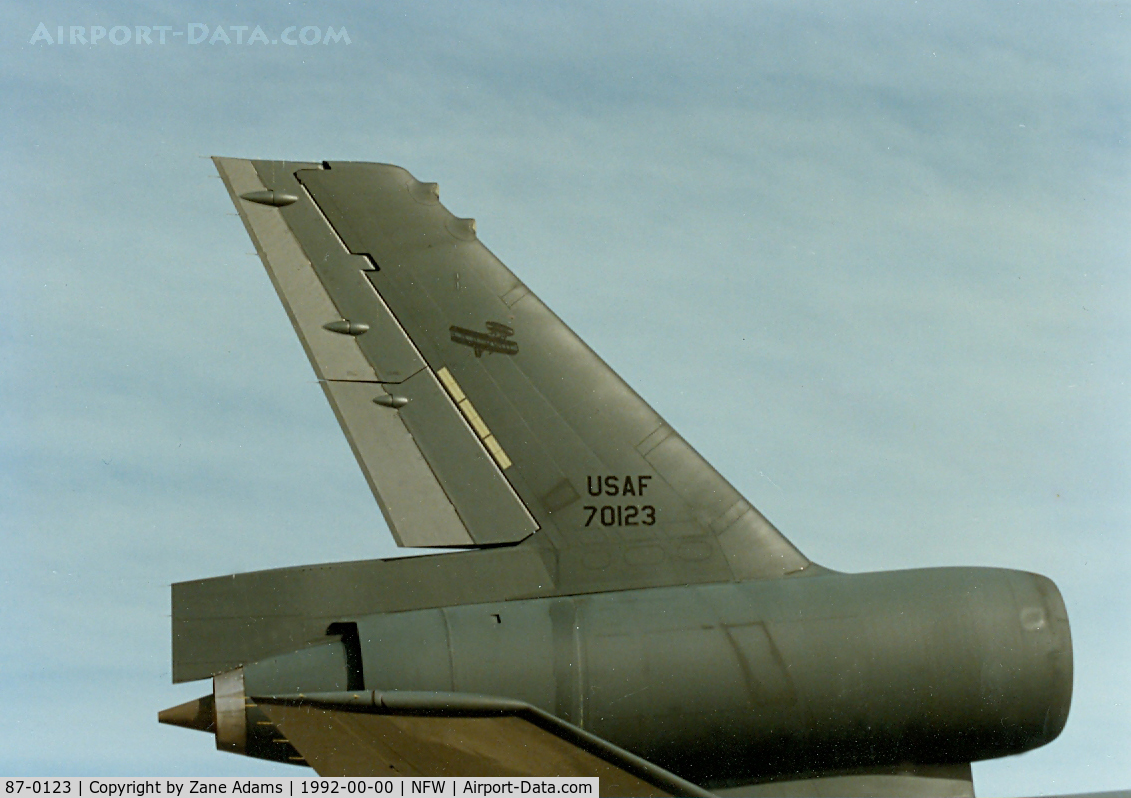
{"points": [[728, 683], [613, 586]]}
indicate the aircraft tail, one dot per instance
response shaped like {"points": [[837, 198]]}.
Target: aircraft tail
{"points": [[477, 416]]}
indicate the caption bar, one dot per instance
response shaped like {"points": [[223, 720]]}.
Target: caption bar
{"points": [[121, 787]]}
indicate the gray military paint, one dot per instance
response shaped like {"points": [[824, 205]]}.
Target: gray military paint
{"points": [[742, 681], [701, 641]]}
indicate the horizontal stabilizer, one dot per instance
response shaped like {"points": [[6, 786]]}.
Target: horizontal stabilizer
{"points": [[371, 733]]}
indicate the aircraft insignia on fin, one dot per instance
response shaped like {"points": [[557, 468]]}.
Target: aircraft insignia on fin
{"points": [[496, 339]]}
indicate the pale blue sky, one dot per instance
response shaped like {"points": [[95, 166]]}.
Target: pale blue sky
{"points": [[870, 258]]}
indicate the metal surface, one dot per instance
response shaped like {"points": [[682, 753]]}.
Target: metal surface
{"points": [[412, 499], [230, 709], [309, 307], [731, 681], [632, 614], [223, 622], [904, 781], [383, 247], [450, 734]]}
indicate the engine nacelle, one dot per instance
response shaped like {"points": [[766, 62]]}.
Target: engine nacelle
{"points": [[718, 683]]}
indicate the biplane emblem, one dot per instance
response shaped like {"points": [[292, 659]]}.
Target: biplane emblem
{"points": [[496, 339]]}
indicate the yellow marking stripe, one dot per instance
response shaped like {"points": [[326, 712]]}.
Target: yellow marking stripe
{"points": [[497, 452], [473, 418], [451, 384]]}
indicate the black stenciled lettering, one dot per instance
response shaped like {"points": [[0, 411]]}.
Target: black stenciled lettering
{"points": [[610, 485], [621, 515]]}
